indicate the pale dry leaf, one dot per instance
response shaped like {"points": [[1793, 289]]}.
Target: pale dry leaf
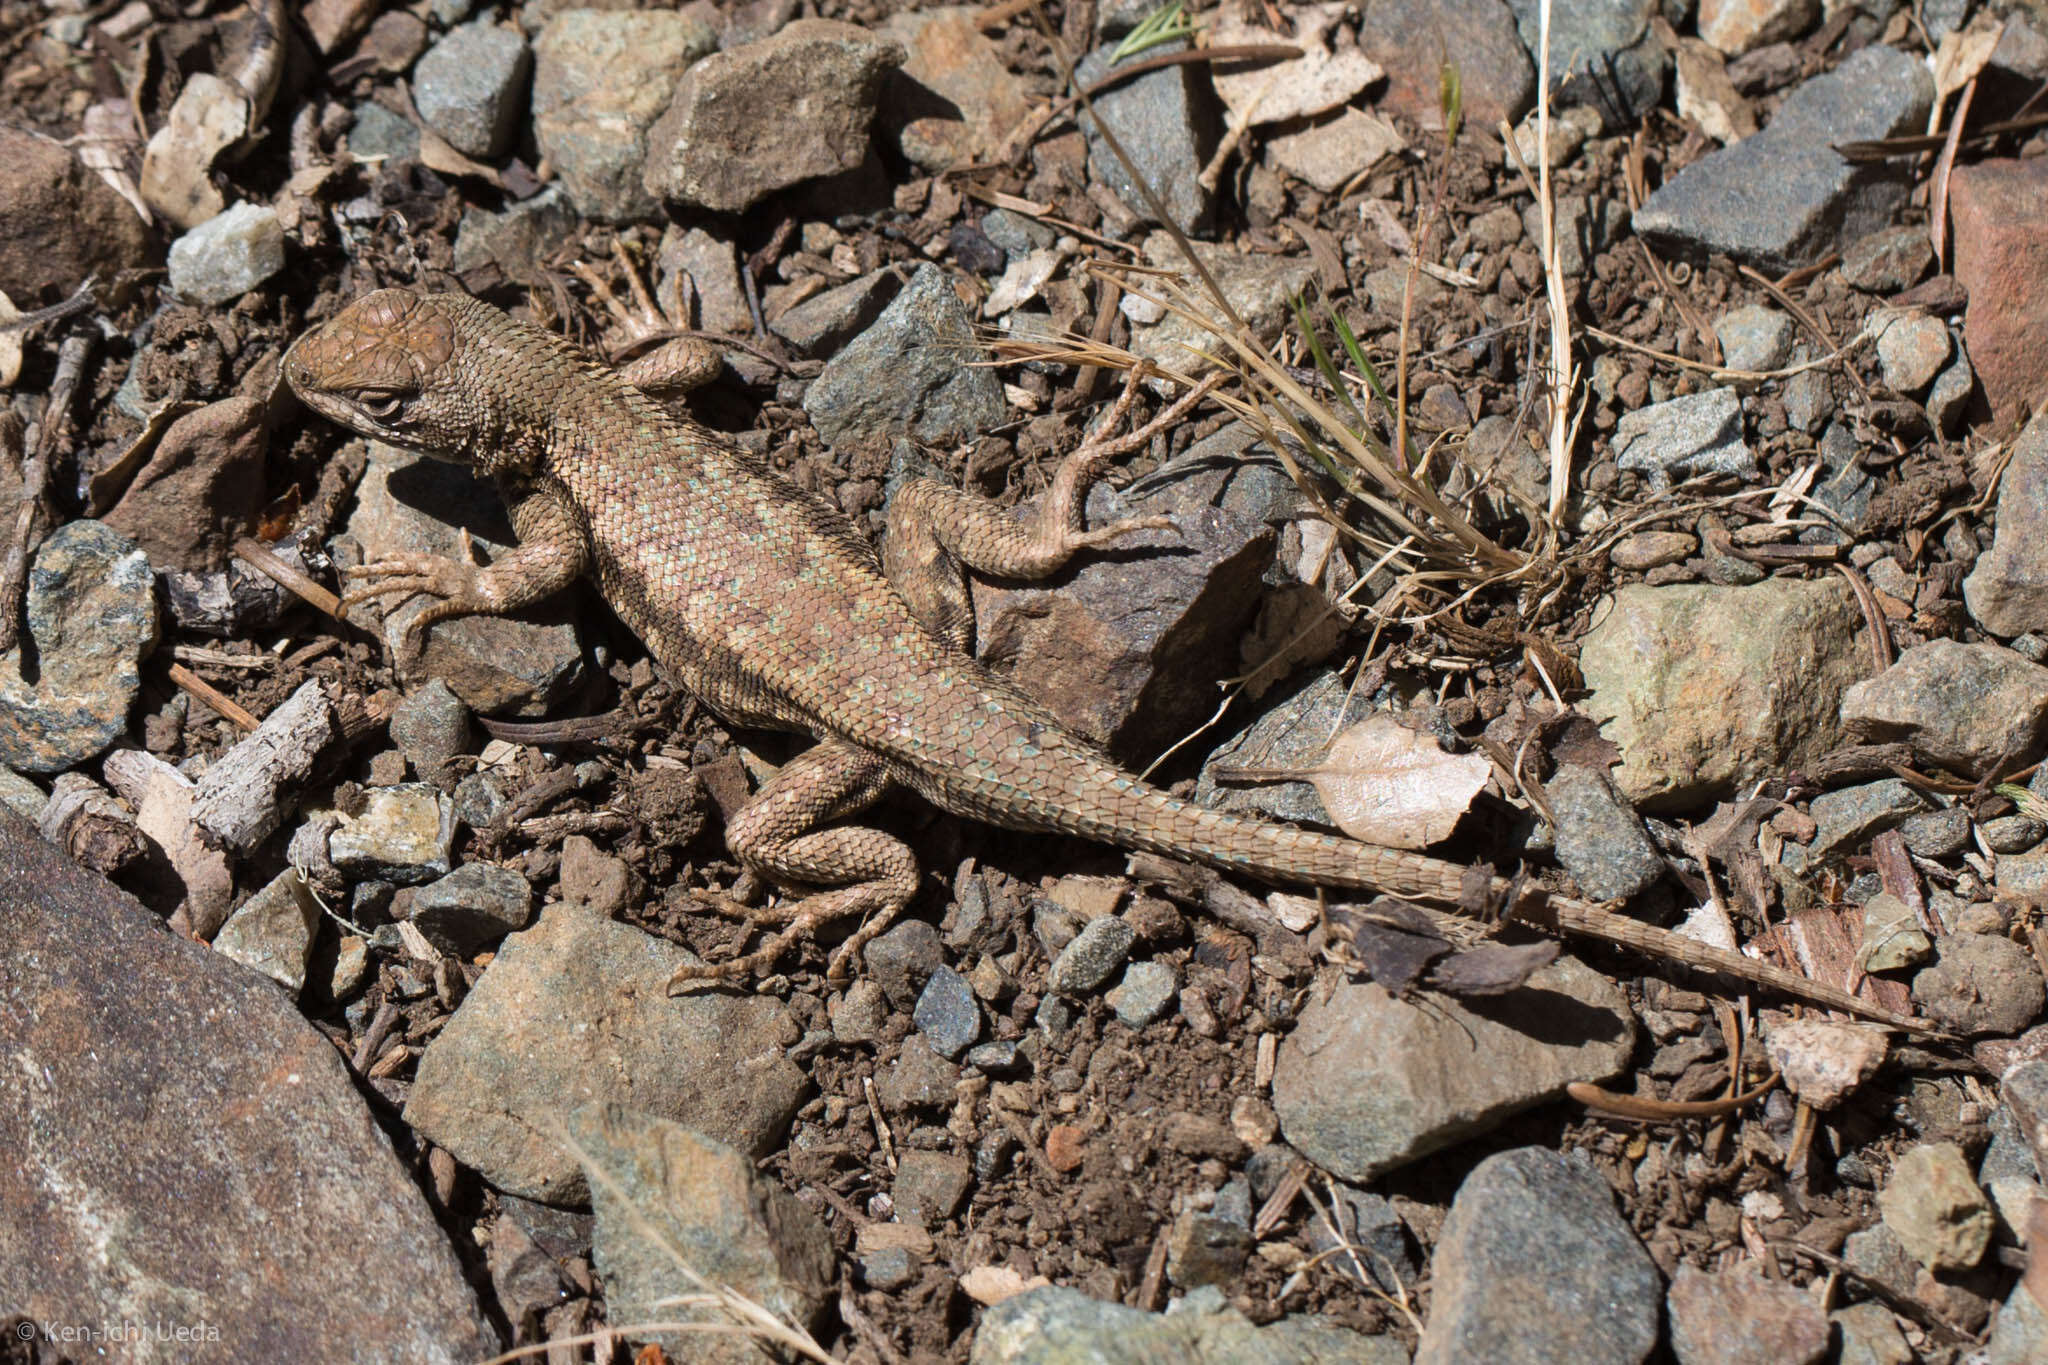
{"points": [[1313, 83], [989, 1285], [1385, 784], [10, 345], [1963, 53], [1708, 97]]}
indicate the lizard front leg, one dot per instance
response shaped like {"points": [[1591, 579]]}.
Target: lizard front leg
{"points": [[777, 837], [552, 553], [934, 529]]}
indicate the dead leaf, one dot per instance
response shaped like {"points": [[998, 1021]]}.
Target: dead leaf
{"points": [[1313, 83], [105, 487], [10, 344], [989, 1285], [1964, 52], [1388, 941], [1575, 738], [177, 169], [1492, 968], [1385, 784], [1707, 96]]}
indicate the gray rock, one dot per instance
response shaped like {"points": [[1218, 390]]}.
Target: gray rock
{"points": [[1932, 1204], [517, 239], [1964, 706], [1808, 401], [1737, 1317], [1754, 337], [713, 269], [227, 255], [1888, 260], [901, 959], [1055, 1326], [272, 932], [139, 1098], [667, 1197], [1948, 399], [946, 1013], [471, 88], [21, 796], [1603, 53], [2007, 592], [824, 322], [475, 904], [576, 1011], [1586, 226], [931, 1186], [1204, 1249], [403, 834], [920, 343], [1534, 1264], [600, 80], [917, 1081], [727, 140], [1700, 433], [2024, 1090], [479, 798], [1845, 818], [1913, 348], [1937, 833], [1097, 951], [431, 726], [1368, 1082], [1870, 1336], [1168, 122], [2020, 1335], [1146, 993], [1980, 983], [90, 621], [1258, 287], [2012, 833], [1016, 234], [1600, 840], [857, 1017], [413, 504], [377, 132], [1708, 688], [998, 1059], [1782, 197]]}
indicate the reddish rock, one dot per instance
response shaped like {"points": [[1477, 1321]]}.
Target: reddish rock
{"points": [[59, 222], [1411, 38], [2001, 257]]}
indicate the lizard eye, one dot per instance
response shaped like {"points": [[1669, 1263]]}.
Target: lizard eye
{"points": [[383, 407]]}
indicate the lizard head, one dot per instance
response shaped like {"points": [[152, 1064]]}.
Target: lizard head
{"points": [[396, 366]]}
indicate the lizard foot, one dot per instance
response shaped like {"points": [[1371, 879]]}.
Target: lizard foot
{"points": [[454, 581]]}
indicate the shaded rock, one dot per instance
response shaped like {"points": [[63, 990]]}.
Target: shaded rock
{"points": [[272, 933], [431, 727], [1870, 1336], [413, 504], [917, 1081], [1204, 1249], [1600, 840], [1980, 983], [475, 904], [1168, 123], [1844, 819], [1782, 198], [1913, 348], [1707, 688], [1964, 706], [201, 489], [1700, 433], [1496, 75], [1368, 1082], [930, 1186], [728, 141], [946, 1013], [227, 255], [1932, 1204], [665, 1194], [403, 834], [600, 81], [901, 960], [1888, 260], [90, 621], [823, 323], [1754, 337], [517, 239], [1534, 1264], [471, 88], [1087, 961], [1146, 993], [1737, 1317], [136, 1102], [2007, 591], [921, 342], [2024, 1090], [1055, 1326], [59, 222], [2004, 266], [575, 1011], [1604, 53], [955, 98]]}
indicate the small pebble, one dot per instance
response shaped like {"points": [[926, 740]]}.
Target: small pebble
{"points": [[1084, 964]]}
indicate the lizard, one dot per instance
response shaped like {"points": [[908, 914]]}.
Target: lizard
{"points": [[772, 609]]}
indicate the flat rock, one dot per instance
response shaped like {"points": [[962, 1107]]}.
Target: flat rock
{"points": [[471, 88], [202, 488], [272, 932], [519, 665], [955, 98], [1368, 1082], [2007, 591], [1603, 53], [1963, 706], [1168, 123], [1912, 348], [1496, 74], [575, 1011], [1737, 1317], [2020, 1334], [227, 255], [1699, 433], [59, 222], [1257, 286], [170, 1102], [91, 619], [1843, 819], [1294, 732], [1738, 26], [1823, 1062], [1057, 1326], [1600, 840], [517, 239], [1888, 260], [475, 904], [729, 140], [403, 834], [1784, 197], [920, 343], [1754, 337], [1534, 1264], [600, 80], [667, 1196], [1707, 688], [2005, 268]]}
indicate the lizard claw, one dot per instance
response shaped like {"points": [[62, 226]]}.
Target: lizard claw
{"points": [[1102, 535], [409, 575]]}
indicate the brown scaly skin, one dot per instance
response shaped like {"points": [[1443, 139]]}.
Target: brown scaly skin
{"points": [[767, 604]]}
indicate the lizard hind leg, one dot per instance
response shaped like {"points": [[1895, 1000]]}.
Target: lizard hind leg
{"points": [[778, 837], [935, 529]]}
